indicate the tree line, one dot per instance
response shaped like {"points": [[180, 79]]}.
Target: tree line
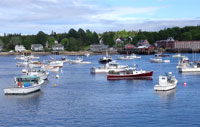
{"points": [[80, 40]]}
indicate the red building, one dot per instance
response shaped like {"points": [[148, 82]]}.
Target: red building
{"points": [[169, 43], [129, 46]]}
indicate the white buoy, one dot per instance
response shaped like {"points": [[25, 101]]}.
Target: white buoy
{"points": [[57, 76]]}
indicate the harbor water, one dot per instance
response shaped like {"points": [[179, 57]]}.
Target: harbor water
{"points": [[82, 99]]}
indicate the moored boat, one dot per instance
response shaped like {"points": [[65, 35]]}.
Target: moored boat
{"points": [[87, 54], [105, 59], [109, 66], [50, 68], [178, 55], [24, 85], [56, 63], [161, 55], [130, 74], [184, 62], [36, 72], [79, 61], [192, 68], [166, 82], [158, 60], [128, 57]]}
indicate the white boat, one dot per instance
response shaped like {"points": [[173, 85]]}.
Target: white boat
{"points": [[159, 60], [128, 57], [79, 61], [134, 56], [125, 58], [108, 67], [87, 54], [36, 72], [161, 55], [56, 63], [50, 68], [178, 55], [183, 63], [31, 64], [24, 85], [166, 82], [23, 57], [192, 68], [64, 59]]}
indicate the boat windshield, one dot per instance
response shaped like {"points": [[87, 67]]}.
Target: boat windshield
{"points": [[27, 79]]}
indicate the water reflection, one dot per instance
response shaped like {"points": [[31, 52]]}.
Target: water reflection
{"points": [[166, 97], [31, 96]]}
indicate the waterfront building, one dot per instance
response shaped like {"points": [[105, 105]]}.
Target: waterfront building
{"points": [[37, 47], [129, 46], [19, 48], [58, 47], [98, 48], [119, 41], [170, 43], [142, 42]]}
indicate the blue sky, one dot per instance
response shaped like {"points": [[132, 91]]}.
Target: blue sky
{"points": [[31, 16]]}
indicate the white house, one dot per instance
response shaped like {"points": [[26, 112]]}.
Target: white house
{"points": [[98, 48], [58, 47], [19, 48], [36, 47]]}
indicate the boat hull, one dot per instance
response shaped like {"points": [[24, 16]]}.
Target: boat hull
{"points": [[146, 75], [21, 91], [164, 88], [105, 61], [190, 69]]}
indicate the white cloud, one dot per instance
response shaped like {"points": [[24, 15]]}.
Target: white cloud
{"points": [[30, 16]]}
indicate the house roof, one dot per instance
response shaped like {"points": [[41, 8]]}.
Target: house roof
{"points": [[129, 46], [58, 45]]}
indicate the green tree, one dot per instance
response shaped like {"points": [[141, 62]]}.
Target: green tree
{"points": [[16, 40], [73, 33], [72, 44], [27, 41], [88, 37], [41, 38], [187, 36], [65, 42], [1, 42], [108, 38], [51, 41], [94, 39], [82, 37]]}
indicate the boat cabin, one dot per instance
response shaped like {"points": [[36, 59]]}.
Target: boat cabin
{"points": [[26, 81]]}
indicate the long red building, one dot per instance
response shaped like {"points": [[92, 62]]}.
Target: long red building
{"points": [[170, 43]]}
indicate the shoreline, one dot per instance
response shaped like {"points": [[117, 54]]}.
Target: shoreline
{"points": [[74, 53]]}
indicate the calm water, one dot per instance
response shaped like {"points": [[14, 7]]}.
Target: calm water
{"points": [[83, 99]]}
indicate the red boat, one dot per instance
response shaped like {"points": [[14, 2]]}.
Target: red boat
{"points": [[130, 74]]}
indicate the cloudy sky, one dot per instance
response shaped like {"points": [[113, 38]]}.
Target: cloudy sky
{"points": [[31, 16]]}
